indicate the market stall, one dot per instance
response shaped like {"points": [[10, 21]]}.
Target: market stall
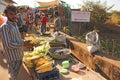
{"points": [[43, 59]]}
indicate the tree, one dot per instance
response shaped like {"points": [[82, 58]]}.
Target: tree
{"points": [[98, 12]]}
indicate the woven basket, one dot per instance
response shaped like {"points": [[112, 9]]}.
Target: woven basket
{"points": [[59, 56]]}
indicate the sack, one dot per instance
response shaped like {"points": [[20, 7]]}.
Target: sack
{"points": [[93, 42]]}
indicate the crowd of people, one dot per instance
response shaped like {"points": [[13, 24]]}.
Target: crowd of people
{"points": [[29, 21], [14, 29]]}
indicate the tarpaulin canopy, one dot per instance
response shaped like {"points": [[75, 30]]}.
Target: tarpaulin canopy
{"points": [[52, 3]]}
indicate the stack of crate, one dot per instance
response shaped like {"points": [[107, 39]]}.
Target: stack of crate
{"points": [[50, 75]]}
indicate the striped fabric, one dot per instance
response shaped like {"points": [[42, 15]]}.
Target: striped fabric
{"points": [[12, 41], [13, 69]]}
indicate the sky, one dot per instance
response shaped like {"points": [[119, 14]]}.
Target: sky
{"points": [[73, 3]]}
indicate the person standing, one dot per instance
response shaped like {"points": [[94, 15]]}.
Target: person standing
{"points": [[57, 22], [22, 18], [12, 42], [43, 23]]}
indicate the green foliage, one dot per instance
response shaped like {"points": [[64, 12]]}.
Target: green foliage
{"points": [[82, 38], [111, 47]]}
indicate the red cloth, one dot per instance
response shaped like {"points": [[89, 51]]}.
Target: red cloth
{"points": [[44, 20]]}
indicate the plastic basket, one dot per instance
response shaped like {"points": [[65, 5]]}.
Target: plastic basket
{"points": [[58, 56], [50, 75]]}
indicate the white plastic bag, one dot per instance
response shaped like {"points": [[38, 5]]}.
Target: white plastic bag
{"points": [[93, 49], [93, 42], [61, 38]]}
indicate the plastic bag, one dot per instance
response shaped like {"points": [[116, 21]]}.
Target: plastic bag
{"points": [[60, 37], [93, 42]]}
